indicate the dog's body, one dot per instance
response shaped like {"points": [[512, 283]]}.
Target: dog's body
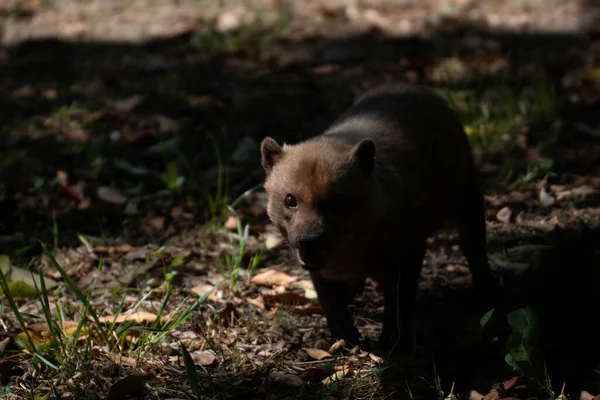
{"points": [[361, 199]]}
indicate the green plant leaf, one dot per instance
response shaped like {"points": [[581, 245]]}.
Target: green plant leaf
{"points": [[509, 360], [523, 321], [190, 369], [21, 283], [20, 289], [5, 266], [44, 397], [486, 318], [520, 344]]}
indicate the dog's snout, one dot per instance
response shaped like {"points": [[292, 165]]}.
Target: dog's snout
{"points": [[309, 239]]}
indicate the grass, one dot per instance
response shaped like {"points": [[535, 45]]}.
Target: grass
{"points": [[495, 118], [233, 261], [217, 202], [63, 346], [497, 114]]}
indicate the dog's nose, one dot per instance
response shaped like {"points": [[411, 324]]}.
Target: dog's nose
{"points": [[309, 239]]}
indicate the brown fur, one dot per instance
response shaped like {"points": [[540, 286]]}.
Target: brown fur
{"points": [[390, 172]]}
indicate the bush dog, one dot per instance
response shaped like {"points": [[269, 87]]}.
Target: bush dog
{"points": [[361, 199]]}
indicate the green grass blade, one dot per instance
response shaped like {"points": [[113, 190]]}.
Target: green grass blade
{"points": [[57, 341], [78, 293], [15, 308], [190, 369], [46, 361]]}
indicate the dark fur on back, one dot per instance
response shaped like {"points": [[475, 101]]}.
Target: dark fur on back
{"points": [[422, 155]]}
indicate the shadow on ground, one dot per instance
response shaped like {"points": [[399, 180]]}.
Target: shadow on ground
{"points": [[54, 96]]}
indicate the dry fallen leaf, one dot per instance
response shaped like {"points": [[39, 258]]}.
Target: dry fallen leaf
{"points": [[474, 395], [509, 384], [273, 277], [232, 222], [493, 395], [78, 134], [308, 309], [375, 358], [317, 354], [141, 317], [40, 334], [111, 195], [546, 200], [287, 298], [121, 249], [166, 124], [21, 282], [326, 69], [204, 288], [578, 193], [41, 328], [204, 358], [75, 192], [340, 372], [62, 178], [377, 19], [22, 92], [49, 94], [587, 396], [311, 294], [122, 360], [201, 101], [258, 302], [305, 284], [337, 346], [84, 204], [504, 215], [272, 241], [156, 223], [127, 104]]}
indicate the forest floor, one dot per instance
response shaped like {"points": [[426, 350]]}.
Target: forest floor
{"points": [[130, 181]]}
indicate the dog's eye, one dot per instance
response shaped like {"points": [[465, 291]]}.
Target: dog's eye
{"points": [[290, 201]]}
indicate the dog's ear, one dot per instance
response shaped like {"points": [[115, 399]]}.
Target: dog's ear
{"points": [[270, 152], [363, 154]]}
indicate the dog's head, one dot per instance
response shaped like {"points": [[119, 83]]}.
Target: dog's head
{"points": [[317, 191]]}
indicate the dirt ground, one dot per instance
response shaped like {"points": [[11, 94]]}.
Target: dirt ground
{"points": [[127, 127], [143, 20]]}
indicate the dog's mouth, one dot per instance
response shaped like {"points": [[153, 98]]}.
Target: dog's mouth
{"points": [[312, 260]]}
